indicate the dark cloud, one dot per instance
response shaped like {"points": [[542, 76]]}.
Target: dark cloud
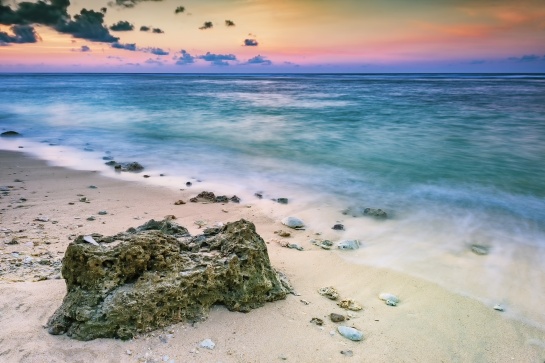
{"points": [[207, 25], [130, 46], [154, 61], [185, 58], [46, 13], [156, 51], [144, 28], [88, 24], [250, 43], [477, 61], [527, 58], [21, 34], [85, 48], [229, 23], [122, 26], [128, 3], [179, 9], [258, 59], [157, 31], [218, 59]]}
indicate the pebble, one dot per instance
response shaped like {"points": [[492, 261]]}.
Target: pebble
{"points": [[259, 195], [389, 299], [330, 292], [208, 344], [91, 218], [129, 352], [234, 199], [282, 200], [293, 222], [350, 305], [498, 307], [480, 249], [348, 244], [338, 227], [350, 333], [188, 184], [336, 318], [282, 233], [92, 186], [317, 321], [102, 212], [347, 353], [325, 244], [179, 202], [42, 219]]}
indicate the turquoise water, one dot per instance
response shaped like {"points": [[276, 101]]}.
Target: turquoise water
{"points": [[453, 159]]}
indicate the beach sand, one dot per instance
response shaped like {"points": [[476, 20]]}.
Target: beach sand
{"points": [[430, 324]]}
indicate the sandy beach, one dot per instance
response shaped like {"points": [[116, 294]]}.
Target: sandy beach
{"points": [[41, 212]]}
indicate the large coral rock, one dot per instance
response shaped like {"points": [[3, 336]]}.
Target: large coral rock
{"points": [[145, 279]]}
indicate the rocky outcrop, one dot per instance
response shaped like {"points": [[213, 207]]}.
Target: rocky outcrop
{"points": [[147, 278], [10, 134]]}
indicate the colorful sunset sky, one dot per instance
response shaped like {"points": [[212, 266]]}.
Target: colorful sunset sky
{"points": [[356, 36]]}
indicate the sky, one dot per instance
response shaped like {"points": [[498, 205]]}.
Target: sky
{"points": [[268, 36]]}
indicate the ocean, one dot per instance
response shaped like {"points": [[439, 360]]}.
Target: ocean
{"points": [[454, 159]]}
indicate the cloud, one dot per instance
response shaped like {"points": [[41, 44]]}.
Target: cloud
{"points": [[144, 28], [218, 59], [128, 3], [179, 9], [207, 25], [154, 61], [122, 26], [85, 48], [157, 31], [229, 23], [185, 58], [130, 46], [38, 13], [258, 59], [21, 34], [156, 51], [250, 43], [527, 58], [88, 24], [477, 61]]}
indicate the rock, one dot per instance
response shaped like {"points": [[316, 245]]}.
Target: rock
{"points": [[498, 307], [376, 213], [92, 186], [84, 200], [91, 218], [282, 200], [179, 202], [165, 226], [222, 199], [480, 249], [293, 222], [295, 246], [149, 279], [317, 321], [330, 292], [350, 333], [282, 233], [204, 197], [347, 353], [337, 318], [10, 134], [259, 195], [102, 213], [188, 184], [207, 344], [325, 244], [338, 227], [389, 299], [350, 305], [235, 199], [41, 219], [133, 167], [107, 158], [111, 163], [348, 244]]}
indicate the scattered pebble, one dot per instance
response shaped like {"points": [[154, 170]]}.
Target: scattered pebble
{"points": [[92, 186], [480, 249], [41, 219], [282, 200], [282, 233], [188, 184], [337, 318], [102, 212], [317, 321], [350, 305], [389, 299], [146, 176], [350, 333], [498, 307], [91, 218], [293, 222], [330, 292], [208, 344], [325, 244], [338, 227], [305, 302], [129, 352], [259, 195], [348, 244], [179, 202]]}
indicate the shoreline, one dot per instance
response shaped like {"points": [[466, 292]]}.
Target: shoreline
{"points": [[430, 323]]}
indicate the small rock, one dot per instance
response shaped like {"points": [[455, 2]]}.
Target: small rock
{"points": [[338, 227], [91, 218], [129, 352], [293, 222], [107, 158], [295, 246], [83, 199], [102, 212], [325, 244], [179, 202], [42, 219], [350, 333], [389, 299], [498, 307], [222, 199], [330, 292], [166, 358], [204, 197], [208, 344], [91, 240], [282, 233], [480, 249], [12, 242], [377, 213], [146, 176], [282, 200], [92, 186], [188, 184], [111, 163], [259, 195], [10, 134], [348, 244], [350, 305], [235, 199], [347, 353], [336, 318], [305, 302], [317, 321]]}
